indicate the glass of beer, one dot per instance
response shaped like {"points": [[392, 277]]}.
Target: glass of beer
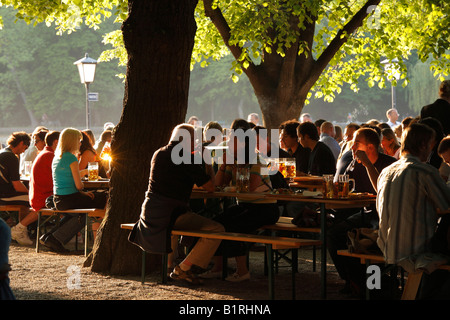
{"points": [[290, 169], [243, 179], [344, 186], [282, 166], [93, 171], [27, 168], [330, 189]]}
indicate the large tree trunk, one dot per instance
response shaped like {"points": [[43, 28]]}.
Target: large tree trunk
{"points": [[159, 37]]}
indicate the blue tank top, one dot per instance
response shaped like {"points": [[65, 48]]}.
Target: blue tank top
{"points": [[63, 183]]}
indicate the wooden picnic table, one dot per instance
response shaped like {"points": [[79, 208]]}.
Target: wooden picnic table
{"points": [[308, 182], [101, 183], [360, 201]]}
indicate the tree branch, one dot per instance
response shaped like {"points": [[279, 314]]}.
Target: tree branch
{"points": [[342, 37], [224, 29]]}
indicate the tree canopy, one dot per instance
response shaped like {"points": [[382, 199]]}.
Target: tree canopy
{"points": [[294, 50]]}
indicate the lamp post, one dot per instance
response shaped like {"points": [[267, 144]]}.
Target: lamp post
{"points": [[86, 68], [389, 67]]}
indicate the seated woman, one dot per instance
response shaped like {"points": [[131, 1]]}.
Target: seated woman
{"points": [[68, 191], [390, 143], [245, 216], [87, 152]]}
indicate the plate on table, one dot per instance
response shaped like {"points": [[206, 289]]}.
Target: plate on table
{"points": [[308, 178], [361, 195]]}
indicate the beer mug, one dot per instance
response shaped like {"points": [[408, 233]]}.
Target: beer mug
{"points": [[93, 171], [282, 166], [344, 185], [243, 179], [330, 190], [290, 168], [27, 168]]}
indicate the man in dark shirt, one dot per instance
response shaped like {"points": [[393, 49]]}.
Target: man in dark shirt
{"points": [[321, 159], [288, 135], [172, 177], [440, 109], [12, 190], [366, 164]]}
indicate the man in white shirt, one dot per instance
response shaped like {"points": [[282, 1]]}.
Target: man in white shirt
{"points": [[408, 220], [392, 116], [327, 135]]}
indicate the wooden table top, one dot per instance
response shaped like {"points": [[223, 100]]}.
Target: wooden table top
{"points": [[356, 201]]}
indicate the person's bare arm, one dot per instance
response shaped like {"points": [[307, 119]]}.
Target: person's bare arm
{"points": [[19, 186], [372, 172]]}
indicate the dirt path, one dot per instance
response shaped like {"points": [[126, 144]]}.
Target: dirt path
{"points": [[50, 276]]}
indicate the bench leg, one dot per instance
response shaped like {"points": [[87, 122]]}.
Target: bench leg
{"points": [[270, 271], [38, 231], [323, 253], [143, 267], [294, 269], [412, 285], [165, 259], [86, 232]]}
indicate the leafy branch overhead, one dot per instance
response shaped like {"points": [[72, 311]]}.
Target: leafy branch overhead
{"points": [[288, 49]]}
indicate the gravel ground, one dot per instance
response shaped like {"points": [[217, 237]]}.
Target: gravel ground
{"points": [[50, 276]]}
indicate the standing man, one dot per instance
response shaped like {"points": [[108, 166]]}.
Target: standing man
{"points": [[253, 118], [305, 117], [440, 109], [392, 116], [409, 193]]}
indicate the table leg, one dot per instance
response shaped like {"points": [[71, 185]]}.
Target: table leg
{"points": [[270, 271], [323, 264]]}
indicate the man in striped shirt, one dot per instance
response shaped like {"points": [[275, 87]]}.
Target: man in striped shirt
{"points": [[409, 193]]}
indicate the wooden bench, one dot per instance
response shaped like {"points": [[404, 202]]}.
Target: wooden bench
{"points": [[94, 213], [413, 280], [11, 207], [285, 225], [271, 243]]}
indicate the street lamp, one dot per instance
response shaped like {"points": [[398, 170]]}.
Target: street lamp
{"points": [[393, 73], [86, 68]]}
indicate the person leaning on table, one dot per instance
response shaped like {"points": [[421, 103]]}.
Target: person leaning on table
{"points": [[165, 207]]}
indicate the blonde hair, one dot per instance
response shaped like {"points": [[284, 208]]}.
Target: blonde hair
{"points": [[69, 141]]}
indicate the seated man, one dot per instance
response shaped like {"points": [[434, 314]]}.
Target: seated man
{"points": [[444, 152], [166, 205], [12, 190], [267, 151], [409, 192], [366, 164], [327, 136], [41, 187], [321, 159], [289, 141]]}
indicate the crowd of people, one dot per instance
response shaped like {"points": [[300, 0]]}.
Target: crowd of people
{"points": [[405, 164], [59, 162]]}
